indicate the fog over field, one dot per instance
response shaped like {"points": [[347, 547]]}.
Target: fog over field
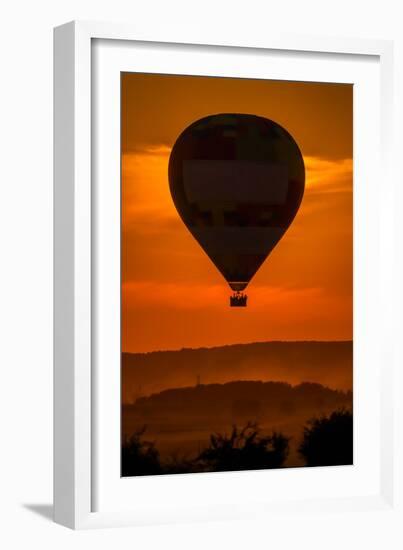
{"points": [[182, 397], [327, 363]]}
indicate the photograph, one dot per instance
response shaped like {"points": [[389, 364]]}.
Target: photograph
{"points": [[236, 274]]}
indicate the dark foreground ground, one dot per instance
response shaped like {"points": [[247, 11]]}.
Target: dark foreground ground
{"points": [[180, 421]]}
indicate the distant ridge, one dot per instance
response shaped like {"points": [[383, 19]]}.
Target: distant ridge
{"points": [[326, 363], [272, 394], [239, 345], [247, 400]]}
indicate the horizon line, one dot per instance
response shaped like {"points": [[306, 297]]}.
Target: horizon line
{"points": [[304, 341]]}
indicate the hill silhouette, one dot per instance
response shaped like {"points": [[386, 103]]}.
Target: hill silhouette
{"points": [[242, 398], [325, 363]]}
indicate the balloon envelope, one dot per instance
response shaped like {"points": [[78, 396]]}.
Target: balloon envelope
{"points": [[237, 181]]}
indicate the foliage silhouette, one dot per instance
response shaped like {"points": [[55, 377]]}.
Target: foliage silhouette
{"points": [[139, 457], [328, 440], [244, 449], [180, 465]]}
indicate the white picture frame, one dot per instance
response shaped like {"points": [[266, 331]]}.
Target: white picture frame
{"points": [[85, 495]]}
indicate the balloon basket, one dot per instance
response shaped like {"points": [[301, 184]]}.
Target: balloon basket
{"points": [[238, 299]]}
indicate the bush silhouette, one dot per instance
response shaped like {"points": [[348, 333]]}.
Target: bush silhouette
{"points": [[328, 440], [139, 457], [180, 465], [244, 449]]}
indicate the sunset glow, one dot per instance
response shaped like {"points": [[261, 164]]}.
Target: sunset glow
{"points": [[172, 294]]}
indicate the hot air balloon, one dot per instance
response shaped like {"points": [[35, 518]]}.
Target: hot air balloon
{"points": [[237, 181]]}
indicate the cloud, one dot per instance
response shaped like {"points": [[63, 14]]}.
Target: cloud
{"points": [[198, 295], [328, 176], [145, 190], [150, 150]]}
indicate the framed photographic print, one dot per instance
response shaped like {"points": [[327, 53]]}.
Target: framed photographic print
{"points": [[222, 276]]}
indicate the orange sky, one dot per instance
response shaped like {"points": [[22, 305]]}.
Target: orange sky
{"points": [[172, 294]]}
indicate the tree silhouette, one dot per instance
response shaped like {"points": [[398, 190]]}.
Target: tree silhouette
{"points": [[139, 457], [244, 449], [328, 440]]}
